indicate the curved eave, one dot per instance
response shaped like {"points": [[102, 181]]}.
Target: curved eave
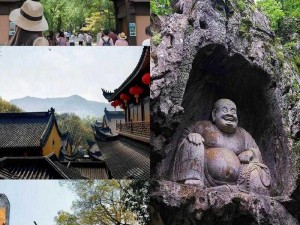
{"points": [[52, 122], [107, 94], [142, 65]]}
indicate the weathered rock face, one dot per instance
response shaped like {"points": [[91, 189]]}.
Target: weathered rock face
{"points": [[210, 50]]}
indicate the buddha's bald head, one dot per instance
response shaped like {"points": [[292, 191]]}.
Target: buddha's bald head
{"points": [[224, 115]]}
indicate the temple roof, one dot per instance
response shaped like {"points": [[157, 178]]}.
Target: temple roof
{"points": [[64, 155], [26, 129], [38, 167], [94, 152], [103, 133], [114, 115], [90, 169], [126, 159], [134, 78]]}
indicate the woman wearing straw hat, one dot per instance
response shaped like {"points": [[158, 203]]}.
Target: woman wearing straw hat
{"points": [[30, 22], [121, 40]]}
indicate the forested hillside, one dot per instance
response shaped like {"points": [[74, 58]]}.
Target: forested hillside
{"points": [[8, 107]]}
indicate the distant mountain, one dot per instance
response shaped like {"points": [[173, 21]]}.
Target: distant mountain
{"points": [[73, 104]]}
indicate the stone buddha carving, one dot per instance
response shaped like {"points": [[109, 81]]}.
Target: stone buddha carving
{"points": [[218, 152]]}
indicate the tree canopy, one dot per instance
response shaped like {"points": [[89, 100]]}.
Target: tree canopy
{"points": [[76, 15], [104, 202], [79, 129], [6, 107], [278, 10]]}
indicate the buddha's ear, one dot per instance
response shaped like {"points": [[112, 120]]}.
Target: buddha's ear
{"points": [[213, 114]]}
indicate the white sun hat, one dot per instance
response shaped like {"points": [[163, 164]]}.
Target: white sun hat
{"points": [[30, 16]]}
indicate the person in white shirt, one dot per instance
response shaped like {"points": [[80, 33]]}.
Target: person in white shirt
{"points": [[149, 34], [88, 40], [80, 39], [72, 40]]}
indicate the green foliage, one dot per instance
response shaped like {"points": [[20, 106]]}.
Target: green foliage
{"points": [[65, 218], [156, 38], [72, 15], [160, 7], [241, 5], [273, 11], [245, 26], [253, 7], [80, 129], [103, 202], [290, 46], [296, 61], [6, 107], [292, 8], [137, 199]]}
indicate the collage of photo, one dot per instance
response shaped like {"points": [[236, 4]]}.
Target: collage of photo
{"points": [[149, 112]]}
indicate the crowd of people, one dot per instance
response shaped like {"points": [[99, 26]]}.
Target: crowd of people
{"points": [[104, 38], [31, 23]]}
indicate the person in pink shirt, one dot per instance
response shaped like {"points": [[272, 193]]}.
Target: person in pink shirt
{"points": [[121, 40], [62, 40]]}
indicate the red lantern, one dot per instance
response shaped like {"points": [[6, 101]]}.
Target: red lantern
{"points": [[146, 78], [136, 91], [118, 102], [114, 104], [125, 98]]}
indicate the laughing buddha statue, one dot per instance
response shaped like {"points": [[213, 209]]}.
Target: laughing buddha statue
{"points": [[217, 153]]}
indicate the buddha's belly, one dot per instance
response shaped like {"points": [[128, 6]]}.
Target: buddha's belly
{"points": [[222, 164]]}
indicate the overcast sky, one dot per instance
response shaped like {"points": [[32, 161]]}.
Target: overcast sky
{"points": [[36, 200], [47, 72]]}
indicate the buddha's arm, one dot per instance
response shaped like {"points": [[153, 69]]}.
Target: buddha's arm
{"points": [[251, 149], [192, 134]]}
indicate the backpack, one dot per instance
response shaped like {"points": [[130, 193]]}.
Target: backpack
{"points": [[106, 43]]}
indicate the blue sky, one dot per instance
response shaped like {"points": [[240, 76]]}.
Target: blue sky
{"points": [[47, 72], [35, 200]]}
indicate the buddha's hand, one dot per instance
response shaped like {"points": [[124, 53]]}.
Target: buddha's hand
{"points": [[246, 156], [195, 138]]}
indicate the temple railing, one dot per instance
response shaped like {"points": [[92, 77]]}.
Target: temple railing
{"points": [[140, 128]]}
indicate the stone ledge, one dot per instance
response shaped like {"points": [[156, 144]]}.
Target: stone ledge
{"points": [[174, 201]]}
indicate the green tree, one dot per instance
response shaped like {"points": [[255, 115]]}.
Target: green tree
{"points": [[79, 130], [65, 218], [100, 202], [72, 15], [273, 11], [6, 107], [291, 8], [137, 199]]}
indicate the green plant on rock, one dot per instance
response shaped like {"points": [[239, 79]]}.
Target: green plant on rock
{"points": [[241, 5], [245, 26], [253, 7], [156, 38], [160, 7], [290, 46], [296, 62]]}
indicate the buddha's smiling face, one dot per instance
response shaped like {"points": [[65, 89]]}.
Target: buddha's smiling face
{"points": [[224, 116]]}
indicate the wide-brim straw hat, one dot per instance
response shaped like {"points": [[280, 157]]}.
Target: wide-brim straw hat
{"points": [[30, 16], [122, 36]]}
